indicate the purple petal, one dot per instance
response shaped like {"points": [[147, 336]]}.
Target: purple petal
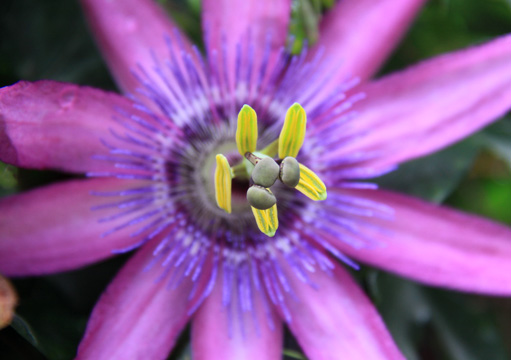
{"points": [[53, 229], [433, 104], [438, 246], [259, 24], [360, 34], [337, 320], [220, 332], [137, 317], [52, 125], [127, 32]]}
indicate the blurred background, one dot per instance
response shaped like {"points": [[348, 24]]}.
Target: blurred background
{"points": [[49, 40]]}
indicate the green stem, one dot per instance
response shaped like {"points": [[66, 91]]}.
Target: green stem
{"points": [[240, 171], [271, 150]]}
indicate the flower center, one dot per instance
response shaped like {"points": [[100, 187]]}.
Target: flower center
{"points": [[210, 191], [190, 174], [264, 171]]}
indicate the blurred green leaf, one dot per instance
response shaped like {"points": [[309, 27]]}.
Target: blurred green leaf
{"points": [[433, 177], [445, 25], [8, 179], [16, 343], [186, 15], [488, 197], [497, 138], [53, 322], [403, 307], [183, 353], [48, 40], [465, 328], [24, 330], [293, 354], [195, 5], [304, 25], [452, 325]]}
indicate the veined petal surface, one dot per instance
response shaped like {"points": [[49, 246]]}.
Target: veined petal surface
{"points": [[137, 317], [336, 320], [248, 335], [359, 35], [293, 131], [437, 246], [53, 125], [129, 33], [54, 229], [230, 25], [431, 105]]}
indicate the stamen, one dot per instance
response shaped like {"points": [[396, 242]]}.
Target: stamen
{"points": [[310, 184], [264, 170], [246, 133], [189, 116], [223, 183], [267, 220], [293, 132]]}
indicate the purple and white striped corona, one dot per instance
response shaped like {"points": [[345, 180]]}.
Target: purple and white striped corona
{"points": [[191, 108], [154, 185]]}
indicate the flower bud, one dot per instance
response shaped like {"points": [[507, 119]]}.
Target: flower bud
{"points": [[265, 172], [8, 301], [260, 197], [290, 172]]}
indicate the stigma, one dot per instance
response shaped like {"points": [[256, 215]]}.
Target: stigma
{"points": [[263, 168]]}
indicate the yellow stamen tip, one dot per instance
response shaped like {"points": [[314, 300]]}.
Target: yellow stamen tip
{"points": [[293, 132], [223, 183], [267, 220], [246, 132], [311, 185]]}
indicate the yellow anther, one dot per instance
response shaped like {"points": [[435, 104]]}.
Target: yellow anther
{"points": [[311, 185], [267, 220], [263, 176], [223, 183], [293, 132], [246, 132]]}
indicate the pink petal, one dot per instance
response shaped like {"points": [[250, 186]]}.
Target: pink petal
{"points": [[53, 229], [137, 317], [438, 246], [228, 24], [433, 104], [47, 124], [337, 321], [218, 334], [360, 34], [127, 31]]}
